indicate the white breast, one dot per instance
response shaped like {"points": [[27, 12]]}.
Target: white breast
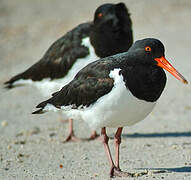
{"points": [[47, 87], [118, 108]]}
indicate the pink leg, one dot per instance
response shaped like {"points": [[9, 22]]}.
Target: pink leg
{"points": [[105, 140], [117, 144], [93, 136], [115, 170], [71, 136]]}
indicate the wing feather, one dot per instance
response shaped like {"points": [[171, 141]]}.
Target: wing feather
{"points": [[59, 58]]}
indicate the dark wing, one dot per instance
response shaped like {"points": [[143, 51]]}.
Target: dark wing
{"points": [[59, 58], [86, 88]]}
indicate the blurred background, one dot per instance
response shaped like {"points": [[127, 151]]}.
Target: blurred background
{"points": [[28, 28]]}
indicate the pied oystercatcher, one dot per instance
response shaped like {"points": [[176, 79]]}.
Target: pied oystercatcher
{"points": [[110, 33], [116, 91]]}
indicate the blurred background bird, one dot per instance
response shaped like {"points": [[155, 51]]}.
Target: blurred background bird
{"points": [[109, 33]]}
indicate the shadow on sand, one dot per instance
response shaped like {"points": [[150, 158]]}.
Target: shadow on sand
{"points": [[186, 169], [157, 135]]}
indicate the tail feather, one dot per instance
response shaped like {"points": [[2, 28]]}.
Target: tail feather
{"points": [[39, 111], [41, 106], [8, 86], [10, 83]]}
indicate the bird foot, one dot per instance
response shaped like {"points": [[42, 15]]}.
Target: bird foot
{"points": [[93, 136], [116, 172], [72, 137]]}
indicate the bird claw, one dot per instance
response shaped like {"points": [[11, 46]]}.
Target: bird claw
{"points": [[116, 172], [93, 136], [72, 137]]}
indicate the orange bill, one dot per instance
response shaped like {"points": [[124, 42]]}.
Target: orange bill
{"points": [[163, 63]]}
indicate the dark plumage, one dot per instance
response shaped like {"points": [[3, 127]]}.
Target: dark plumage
{"points": [[116, 91], [113, 27], [114, 34], [59, 58], [142, 77]]}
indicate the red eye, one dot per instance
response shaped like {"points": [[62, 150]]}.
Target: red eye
{"points": [[100, 15], [148, 48]]}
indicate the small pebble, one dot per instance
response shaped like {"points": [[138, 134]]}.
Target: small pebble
{"points": [[20, 155], [20, 142], [187, 107], [35, 130], [95, 175], [4, 123], [20, 134], [150, 173], [52, 134], [146, 171], [85, 158], [174, 146], [147, 145], [136, 175]]}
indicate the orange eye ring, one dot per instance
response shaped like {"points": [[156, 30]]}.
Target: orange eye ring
{"points": [[100, 15], [148, 48]]}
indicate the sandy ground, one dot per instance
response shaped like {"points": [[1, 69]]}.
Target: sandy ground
{"points": [[31, 146]]}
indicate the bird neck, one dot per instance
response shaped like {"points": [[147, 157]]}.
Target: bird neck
{"points": [[107, 42], [145, 82]]}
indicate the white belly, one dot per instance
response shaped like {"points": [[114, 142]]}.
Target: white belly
{"points": [[118, 108], [47, 86]]}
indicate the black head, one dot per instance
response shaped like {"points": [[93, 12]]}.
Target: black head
{"points": [[151, 51], [112, 30], [112, 17], [146, 50]]}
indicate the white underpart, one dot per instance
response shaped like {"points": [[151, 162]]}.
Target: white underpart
{"points": [[47, 86], [118, 108]]}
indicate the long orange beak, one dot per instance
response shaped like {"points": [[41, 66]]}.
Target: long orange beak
{"points": [[163, 63]]}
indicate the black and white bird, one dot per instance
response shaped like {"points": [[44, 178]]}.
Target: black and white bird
{"points": [[110, 33], [115, 91]]}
